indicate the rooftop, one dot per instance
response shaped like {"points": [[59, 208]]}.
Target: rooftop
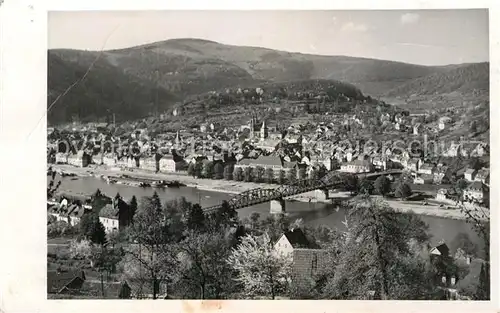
{"points": [[298, 239]]}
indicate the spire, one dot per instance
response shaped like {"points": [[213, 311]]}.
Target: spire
{"points": [[264, 131]]}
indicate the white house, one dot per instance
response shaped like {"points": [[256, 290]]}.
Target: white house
{"points": [[443, 122], [357, 166], [307, 258], [149, 164], [423, 179], [427, 169], [168, 164], [109, 217], [477, 191], [417, 128], [443, 195], [453, 150], [470, 174], [61, 158], [109, 159], [480, 150], [110, 223]]}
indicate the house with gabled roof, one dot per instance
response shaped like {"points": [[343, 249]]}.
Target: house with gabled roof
{"points": [[477, 191], [116, 216], [308, 259], [442, 175], [480, 150], [67, 282], [80, 159], [483, 175], [470, 174], [357, 166], [427, 168]]}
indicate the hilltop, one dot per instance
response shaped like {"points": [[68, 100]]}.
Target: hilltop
{"points": [[105, 90], [460, 87], [137, 81], [467, 78]]}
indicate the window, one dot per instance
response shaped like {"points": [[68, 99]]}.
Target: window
{"points": [[314, 263]]}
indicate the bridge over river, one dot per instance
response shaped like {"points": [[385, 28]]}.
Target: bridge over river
{"points": [[277, 196]]}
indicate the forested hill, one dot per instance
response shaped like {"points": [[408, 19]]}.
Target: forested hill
{"points": [[138, 81]]}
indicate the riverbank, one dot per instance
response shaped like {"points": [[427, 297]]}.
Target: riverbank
{"points": [[132, 178], [232, 187]]}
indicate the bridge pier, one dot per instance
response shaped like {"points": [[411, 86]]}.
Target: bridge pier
{"points": [[322, 194], [277, 206]]}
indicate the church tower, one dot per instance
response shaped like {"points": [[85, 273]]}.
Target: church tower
{"points": [[252, 126], [264, 131]]}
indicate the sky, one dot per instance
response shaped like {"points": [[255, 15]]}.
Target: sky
{"points": [[427, 37]]}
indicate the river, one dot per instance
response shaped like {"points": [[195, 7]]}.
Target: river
{"points": [[311, 213]]}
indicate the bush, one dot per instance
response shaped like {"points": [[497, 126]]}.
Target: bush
{"points": [[60, 228]]}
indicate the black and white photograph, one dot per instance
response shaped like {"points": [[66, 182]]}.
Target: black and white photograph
{"points": [[266, 155]]}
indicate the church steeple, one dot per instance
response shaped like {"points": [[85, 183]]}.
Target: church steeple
{"points": [[264, 132]]}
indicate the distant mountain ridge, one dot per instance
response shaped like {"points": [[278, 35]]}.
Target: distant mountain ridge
{"points": [[464, 79], [136, 81]]}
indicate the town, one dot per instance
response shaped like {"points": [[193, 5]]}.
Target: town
{"points": [[437, 179], [187, 168]]}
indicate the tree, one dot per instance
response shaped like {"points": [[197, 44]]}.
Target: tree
{"points": [[195, 218], [148, 260], [483, 290], [351, 183], [322, 171], [247, 174], [269, 175], [473, 127], [92, 229], [203, 271], [52, 186], [292, 176], [366, 186], [208, 169], [228, 172], [475, 163], [281, 177], [198, 169], [382, 185], [461, 185], [238, 174], [260, 268], [314, 174], [259, 174], [191, 170], [133, 207], [225, 216], [479, 218], [218, 171], [379, 257], [80, 249], [104, 260], [462, 241], [302, 173], [403, 191], [254, 219]]}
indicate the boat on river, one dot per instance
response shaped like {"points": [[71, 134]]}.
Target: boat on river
{"points": [[175, 184], [159, 184]]}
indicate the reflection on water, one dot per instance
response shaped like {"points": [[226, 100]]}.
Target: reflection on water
{"points": [[311, 213]]}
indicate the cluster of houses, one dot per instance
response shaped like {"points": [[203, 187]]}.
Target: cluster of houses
{"points": [[298, 146], [309, 261], [113, 216]]}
